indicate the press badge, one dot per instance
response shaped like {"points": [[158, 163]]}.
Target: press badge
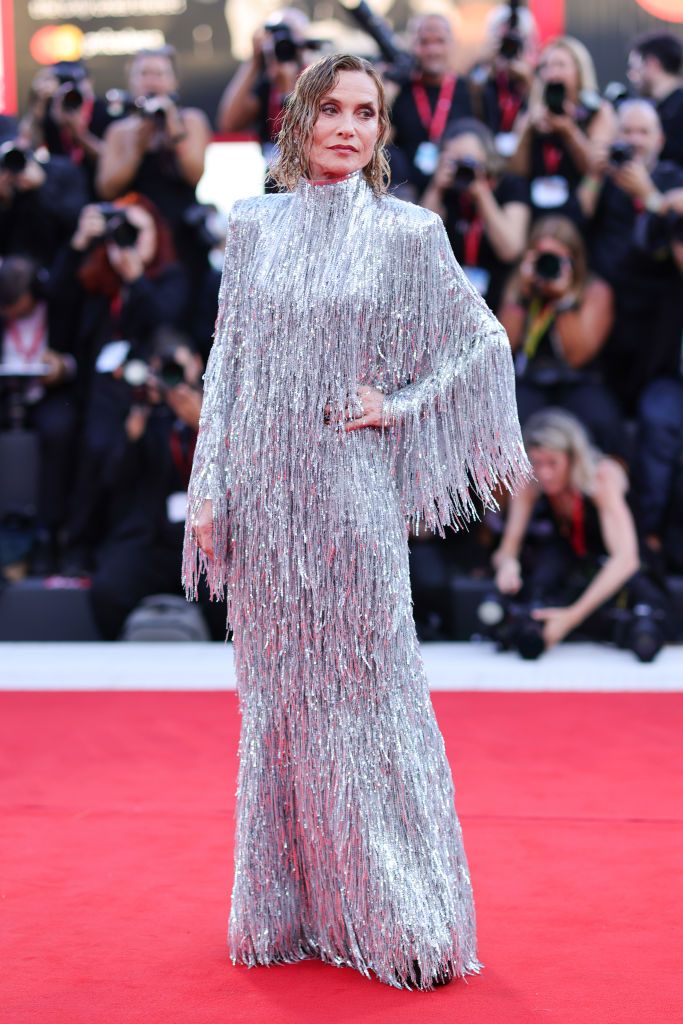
{"points": [[506, 144], [549, 193], [426, 157], [479, 277]]}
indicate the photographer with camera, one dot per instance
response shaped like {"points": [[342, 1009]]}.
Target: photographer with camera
{"points": [[500, 84], [40, 200], [566, 119], [486, 213], [37, 347], [159, 149], [433, 98], [66, 117], [121, 280], [254, 97], [558, 317], [626, 200], [655, 69], [145, 474], [568, 559]]}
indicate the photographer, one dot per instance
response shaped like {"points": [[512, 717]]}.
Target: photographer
{"points": [[40, 201], [254, 98], [558, 318], [500, 85], [628, 192], [565, 120], [659, 465], [655, 69], [431, 100], [34, 334], [486, 213], [145, 475], [66, 117], [159, 149], [121, 279], [569, 550]]}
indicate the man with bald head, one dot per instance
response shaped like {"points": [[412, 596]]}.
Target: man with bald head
{"points": [[627, 199], [427, 104]]}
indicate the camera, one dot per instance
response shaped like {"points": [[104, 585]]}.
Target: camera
{"points": [[401, 64], [548, 266], [13, 158], [620, 153], [465, 173], [205, 225], [286, 48], [154, 107], [119, 103], [71, 75], [119, 229], [510, 625], [554, 96], [640, 629]]}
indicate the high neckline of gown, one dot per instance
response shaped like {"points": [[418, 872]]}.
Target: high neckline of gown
{"points": [[338, 193]]}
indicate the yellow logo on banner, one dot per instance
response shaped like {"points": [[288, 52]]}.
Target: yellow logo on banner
{"points": [[53, 43]]}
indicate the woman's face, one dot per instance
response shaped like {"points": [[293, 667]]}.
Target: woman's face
{"points": [[557, 65], [345, 133], [146, 242], [551, 469]]}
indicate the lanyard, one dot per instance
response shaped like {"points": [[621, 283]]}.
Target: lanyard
{"points": [[434, 122], [552, 158], [578, 534], [509, 103], [28, 352], [541, 318], [72, 149], [182, 453], [473, 231]]}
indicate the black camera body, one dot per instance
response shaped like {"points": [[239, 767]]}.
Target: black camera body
{"points": [[554, 97], [640, 629], [119, 228], [548, 266], [13, 158], [510, 624], [286, 48], [511, 45], [620, 153], [71, 75], [154, 107]]}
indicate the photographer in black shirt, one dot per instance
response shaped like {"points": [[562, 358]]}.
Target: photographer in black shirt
{"points": [[628, 191], [40, 201], [486, 213], [434, 98], [655, 69]]}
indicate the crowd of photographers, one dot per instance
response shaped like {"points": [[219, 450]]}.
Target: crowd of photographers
{"points": [[563, 206]]}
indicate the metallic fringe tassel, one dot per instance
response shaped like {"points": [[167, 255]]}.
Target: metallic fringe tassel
{"points": [[348, 845]]}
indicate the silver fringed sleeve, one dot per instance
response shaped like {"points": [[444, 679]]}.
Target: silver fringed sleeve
{"points": [[455, 427], [347, 845], [210, 472]]}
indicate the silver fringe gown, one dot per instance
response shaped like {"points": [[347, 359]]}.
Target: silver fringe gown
{"points": [[348, 845]]}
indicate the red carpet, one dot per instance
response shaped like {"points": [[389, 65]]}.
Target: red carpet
{"points": [[116, 864]]}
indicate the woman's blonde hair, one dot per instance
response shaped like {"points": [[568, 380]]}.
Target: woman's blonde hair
{"points": [[580, 54], [559, 431], [301, 113]]}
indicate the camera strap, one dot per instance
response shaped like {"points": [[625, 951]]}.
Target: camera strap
{"points": [[552, 158], [27, 344], [182, 445], [540, 318], [74, 150], [434, 121]]}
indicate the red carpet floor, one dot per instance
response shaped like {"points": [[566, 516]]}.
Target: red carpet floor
{"points": [[116, 865]]}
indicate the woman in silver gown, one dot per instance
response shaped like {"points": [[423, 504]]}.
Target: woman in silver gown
{"points": [[357, 387]]}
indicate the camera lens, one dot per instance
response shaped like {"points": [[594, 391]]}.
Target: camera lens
{"points": [[12, 158], [548, 266], [72, 99]]}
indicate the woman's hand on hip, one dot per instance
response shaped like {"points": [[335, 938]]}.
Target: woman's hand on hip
{"points": [[202, 528], [371, 401]]}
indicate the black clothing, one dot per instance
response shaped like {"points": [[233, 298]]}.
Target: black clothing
{"points": [[159, 178], [409, 131], [461, 222], [55, 142], [645, 341], [495, 98], [38, 221], [551, 159], [670, 111]]}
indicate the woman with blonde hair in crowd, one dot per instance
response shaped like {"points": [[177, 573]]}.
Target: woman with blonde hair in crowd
{"points": [[559, 132], [569, 548]]}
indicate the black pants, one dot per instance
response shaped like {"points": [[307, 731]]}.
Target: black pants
{"points": [[55, 419]]}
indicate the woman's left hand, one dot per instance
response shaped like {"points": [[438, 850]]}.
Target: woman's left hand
{"points": [[372, 402], [557, 623]]}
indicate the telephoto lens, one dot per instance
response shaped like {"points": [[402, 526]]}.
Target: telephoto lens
{"points": [[548, 266], [13, 158], [620, 153]]}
